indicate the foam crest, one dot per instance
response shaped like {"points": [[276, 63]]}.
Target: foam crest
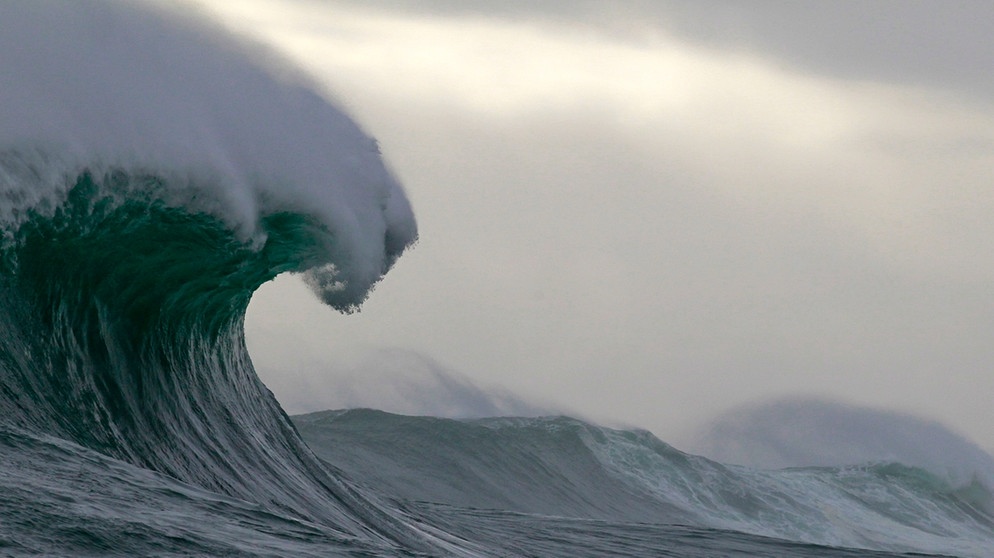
{"points": [[140, 86]]}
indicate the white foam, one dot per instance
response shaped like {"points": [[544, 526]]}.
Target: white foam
{"points": [[140, 85]]}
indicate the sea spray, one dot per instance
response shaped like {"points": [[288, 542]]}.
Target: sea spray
{"points": [[107, 86]]}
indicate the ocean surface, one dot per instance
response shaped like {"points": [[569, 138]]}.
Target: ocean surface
{"points": [[153, 174]]}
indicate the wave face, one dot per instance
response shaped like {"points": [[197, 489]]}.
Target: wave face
{"points": [[152, 176], [564, 467]]}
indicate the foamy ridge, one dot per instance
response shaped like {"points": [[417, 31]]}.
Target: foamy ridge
{"points": [[105, 85]]}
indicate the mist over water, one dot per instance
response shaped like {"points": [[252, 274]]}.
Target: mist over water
{"points": [[806, 432], [399, 381]]}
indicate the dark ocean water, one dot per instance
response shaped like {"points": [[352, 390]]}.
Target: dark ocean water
{"points": [[63, 500], [513, 534], [556, 479]]}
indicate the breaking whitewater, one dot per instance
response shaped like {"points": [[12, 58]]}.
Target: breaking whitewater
{"points": [[153, 174]]}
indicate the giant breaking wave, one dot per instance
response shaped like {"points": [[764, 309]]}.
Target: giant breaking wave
{"points": [[153, 174]]}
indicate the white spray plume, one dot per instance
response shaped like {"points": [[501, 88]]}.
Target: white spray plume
{"points": [[141, 86]]}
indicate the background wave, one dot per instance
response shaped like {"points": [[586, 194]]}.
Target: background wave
{"points": [[563, 467]]}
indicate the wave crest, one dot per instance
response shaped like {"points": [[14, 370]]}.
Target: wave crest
{"points": [[233, 131]]}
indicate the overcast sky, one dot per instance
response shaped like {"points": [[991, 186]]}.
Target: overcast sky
{"points": [[648, 213]]}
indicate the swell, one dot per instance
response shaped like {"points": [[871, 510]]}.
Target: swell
{"points": [[565, 467], [121, 329]]}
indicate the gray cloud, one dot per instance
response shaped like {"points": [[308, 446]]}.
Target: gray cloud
{"points": [[935, 44], [932, 43]]}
